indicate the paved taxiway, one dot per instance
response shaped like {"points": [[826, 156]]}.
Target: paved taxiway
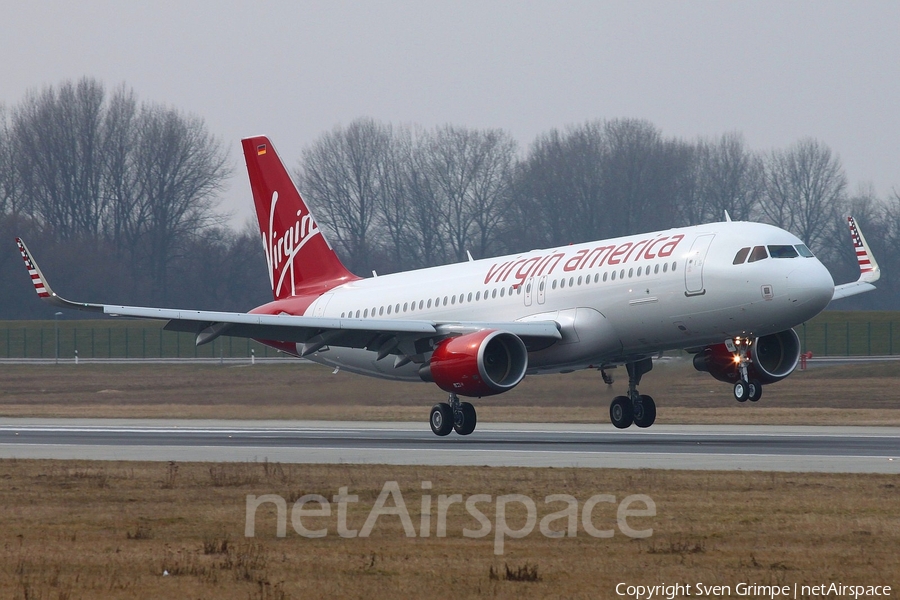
{"points": [[836, 449]]}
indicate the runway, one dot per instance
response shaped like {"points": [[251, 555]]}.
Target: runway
{"points": [[832, 449]]}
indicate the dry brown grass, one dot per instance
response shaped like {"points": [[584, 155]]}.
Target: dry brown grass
{"points": [[865, 394], [89, 530]]}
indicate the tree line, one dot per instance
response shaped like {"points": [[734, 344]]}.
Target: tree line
{"points": [[400, 197], [119, 198]]}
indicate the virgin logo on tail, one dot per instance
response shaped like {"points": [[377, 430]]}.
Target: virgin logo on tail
{"points": [[285, 247]]}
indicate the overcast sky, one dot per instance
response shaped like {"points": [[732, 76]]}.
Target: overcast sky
{"points": [[775, 71]]}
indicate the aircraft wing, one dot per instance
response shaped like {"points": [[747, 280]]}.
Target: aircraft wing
{"points": [[406, 338], [869, 271]]}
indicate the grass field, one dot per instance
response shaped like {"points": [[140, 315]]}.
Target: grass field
{"points": [[110, 530], [840, 333], [860, 394]]}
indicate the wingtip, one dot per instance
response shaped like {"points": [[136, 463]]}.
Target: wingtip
{"points": [[869, 271]]}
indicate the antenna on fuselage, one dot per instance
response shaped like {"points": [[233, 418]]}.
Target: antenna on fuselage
{"points": [[727, 217]]}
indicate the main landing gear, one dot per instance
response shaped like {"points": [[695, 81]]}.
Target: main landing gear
{"points": [[453, 415], [746, 388], [634, 408]]}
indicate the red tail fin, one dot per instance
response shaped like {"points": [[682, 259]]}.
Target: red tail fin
{"points": [[297, 254]]}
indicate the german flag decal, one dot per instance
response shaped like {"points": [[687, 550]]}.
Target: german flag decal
{"points": [[261, 149]]}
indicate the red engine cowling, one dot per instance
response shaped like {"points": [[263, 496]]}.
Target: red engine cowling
{"points": [[774, 356], [483, 363]]}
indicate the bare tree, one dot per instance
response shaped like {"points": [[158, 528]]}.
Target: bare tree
{"points": [[8, 176], [559, 188], [59, 156], [394, 202], [120, 132], [729, 178], [341, 176], [469, 176], [641, 172], [180, 168], [804, 191]]}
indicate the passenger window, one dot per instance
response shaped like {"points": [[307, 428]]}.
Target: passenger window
{"points": [[405, 306], [741, 256], [596, 277], [674, 264], [477, 296], [562, 283], [782, 252], [630, 273], [759, 253], [804, 251], [622, 274], [665, 267], [639, 271], [502, 291], [381, 311], [469, 299], [613, 275], [571, 281], [656, 269], [445, 300], [604, 276], [494, 293], [579, 280], [389, 309], [452, 299]]}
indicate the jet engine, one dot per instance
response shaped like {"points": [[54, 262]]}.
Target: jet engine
{"points": [[773, 356], [483, 363]]}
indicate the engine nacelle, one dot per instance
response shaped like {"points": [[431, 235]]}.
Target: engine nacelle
{"points": [[774, 357], [483, 363]]}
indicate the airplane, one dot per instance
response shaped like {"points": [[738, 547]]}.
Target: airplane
{"points": [[728, 292]]}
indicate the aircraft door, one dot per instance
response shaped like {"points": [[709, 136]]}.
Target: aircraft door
{"points": [[529, 285], [693, 266], [541, 289]]}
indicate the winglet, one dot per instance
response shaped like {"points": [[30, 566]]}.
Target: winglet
{"points": [[869, 271], [43, 288]]}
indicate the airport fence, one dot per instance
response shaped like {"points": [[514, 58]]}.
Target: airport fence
{"points": [[116, 339], [832, 333]]}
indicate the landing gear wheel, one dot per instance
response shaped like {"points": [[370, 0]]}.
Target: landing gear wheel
{"points": [[755, 390], [441, 419], [465, 419], [741, 391], [621, 413], [644, 411]]}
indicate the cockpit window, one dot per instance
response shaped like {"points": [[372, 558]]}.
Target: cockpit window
{"points": [[783, 252], [804, 251], [741, 256], [759, 253]]}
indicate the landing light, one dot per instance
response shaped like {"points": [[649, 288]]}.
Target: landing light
{"points": [[736, 358]]}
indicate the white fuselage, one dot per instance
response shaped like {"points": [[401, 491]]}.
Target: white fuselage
{"points": [[614, 299]]}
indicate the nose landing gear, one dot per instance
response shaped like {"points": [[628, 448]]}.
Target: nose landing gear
{"points": [[746, 388]]}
